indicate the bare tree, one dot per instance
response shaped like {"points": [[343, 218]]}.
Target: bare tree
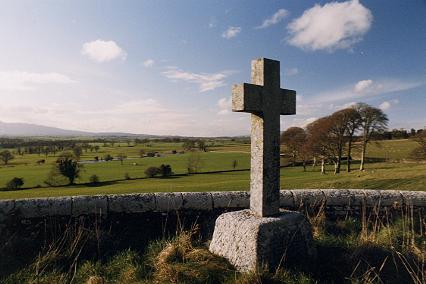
{"points": [[354, 123], [194, 162], [344, 124], [121, 157], [6, 156], [295, 138], [372, 120], [320, 142]]}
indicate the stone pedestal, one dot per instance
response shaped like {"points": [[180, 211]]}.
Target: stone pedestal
{"points": [[250, 242]]}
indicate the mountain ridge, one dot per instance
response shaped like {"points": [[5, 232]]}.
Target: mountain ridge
{"points": [[14, 129]]}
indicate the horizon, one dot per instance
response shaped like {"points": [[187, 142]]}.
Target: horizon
{"points": [[165, 68]]}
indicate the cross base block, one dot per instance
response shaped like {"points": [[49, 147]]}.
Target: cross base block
{"points": [[250, 242]]}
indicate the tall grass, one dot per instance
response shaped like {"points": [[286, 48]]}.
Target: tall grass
{"points": [[374, 248]]}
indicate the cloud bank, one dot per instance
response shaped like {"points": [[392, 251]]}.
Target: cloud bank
{"points": [[336, 25]]}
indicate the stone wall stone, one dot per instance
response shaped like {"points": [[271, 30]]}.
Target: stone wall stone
{"points": [[334, 200]]}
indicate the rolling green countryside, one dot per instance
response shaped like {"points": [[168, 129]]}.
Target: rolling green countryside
{"points": [[388, 169]]}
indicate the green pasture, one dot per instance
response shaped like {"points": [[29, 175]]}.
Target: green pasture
{"points": [[216, 171]]}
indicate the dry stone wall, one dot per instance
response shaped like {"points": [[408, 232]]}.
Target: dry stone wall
{"points": [[335, 201]]}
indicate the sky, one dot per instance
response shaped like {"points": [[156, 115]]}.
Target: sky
{"points": [[167, 67]]}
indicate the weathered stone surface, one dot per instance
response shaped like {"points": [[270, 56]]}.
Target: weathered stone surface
{"points": [[41, 207], [170, 201], [197, 200], [390, 198], [286, 199], [312, 197], [131, 203], [6, 208], [337, 197], [414, 198], [265, 100], [232, 199], [249, 241], [87, 205]]}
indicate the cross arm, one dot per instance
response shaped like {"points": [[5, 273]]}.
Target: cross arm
{"points": [[247, 98], [288, 102]]}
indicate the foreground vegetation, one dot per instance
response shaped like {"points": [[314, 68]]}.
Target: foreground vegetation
{"points": [[217, 171], [370, 250]]}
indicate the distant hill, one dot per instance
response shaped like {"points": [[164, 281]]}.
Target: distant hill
{"points": [[28, 129]]}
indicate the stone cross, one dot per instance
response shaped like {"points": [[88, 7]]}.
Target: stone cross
{"points": [[266, 101]]}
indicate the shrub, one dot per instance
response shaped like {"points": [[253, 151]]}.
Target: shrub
{"points": [[108, 157], [15, 183], [152, 172], [94, 179], [127, 176]]}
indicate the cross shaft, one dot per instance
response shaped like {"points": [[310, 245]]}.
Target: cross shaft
{"points": [[266, 101]]}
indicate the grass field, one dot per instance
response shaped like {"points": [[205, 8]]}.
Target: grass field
{"points": [[217, 171]]}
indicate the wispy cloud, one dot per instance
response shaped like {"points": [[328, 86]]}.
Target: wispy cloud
{"points": [[231, 32], [103, 51], [291, 71], [277, 17], [27, 81], [365, 89], [224, 105], [336, 25], [148, 63], [205, 81]]}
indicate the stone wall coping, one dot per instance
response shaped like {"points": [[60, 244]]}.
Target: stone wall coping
{"points": [[200, 201]]}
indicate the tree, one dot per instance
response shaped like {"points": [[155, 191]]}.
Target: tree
{"points": [[15, 183], [108, 158], [121, 157], [354, 123], [152, 172], [6, 156], [94, 179], [344, 123], [372, 121], [202, 145], [68, 167], [189, 145], [194, 162], [77, 150], [419, 153], [294, 138], [165, 170], [234, 164], [320, 142]]}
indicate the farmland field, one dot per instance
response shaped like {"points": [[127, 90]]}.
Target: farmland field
{"points": [[216, 171]]}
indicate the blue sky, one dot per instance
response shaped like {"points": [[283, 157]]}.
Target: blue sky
{"points": [[167, 67]]}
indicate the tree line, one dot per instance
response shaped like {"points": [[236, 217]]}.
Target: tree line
{"points": [[329, 138]]}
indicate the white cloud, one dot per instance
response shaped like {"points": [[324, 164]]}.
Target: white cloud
{"points": [[336, 25], [362, 85], [103, 51], [274, 19], [27, 81], [388, 104], [291, 71], [224, 105], [205, 81], [231, 32], [148, 63]]}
